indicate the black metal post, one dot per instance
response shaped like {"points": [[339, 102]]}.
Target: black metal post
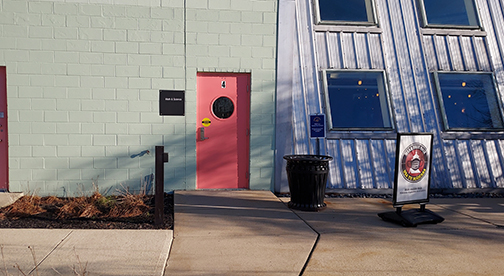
{"points": [[398, 210], [161, 158]]}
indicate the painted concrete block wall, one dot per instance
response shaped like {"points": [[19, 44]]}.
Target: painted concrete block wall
{"points": [[84, 79], [83, 83]]}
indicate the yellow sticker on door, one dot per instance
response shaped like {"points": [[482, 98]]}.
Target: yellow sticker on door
{"points": [[206, 122]]}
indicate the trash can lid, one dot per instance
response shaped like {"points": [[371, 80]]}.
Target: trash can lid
{"points": [[307, 157]]}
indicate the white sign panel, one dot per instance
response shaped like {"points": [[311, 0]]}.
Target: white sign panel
{"points": [[413, 164]]}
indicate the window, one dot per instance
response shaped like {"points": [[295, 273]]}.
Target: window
{"points": [[357, 100], [468, 101], [346, 12], [449, 13]]}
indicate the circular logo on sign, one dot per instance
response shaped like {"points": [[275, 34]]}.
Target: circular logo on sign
{"points": [[414, 162]]}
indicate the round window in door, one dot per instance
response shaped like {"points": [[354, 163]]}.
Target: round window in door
{"points": [[223, 107]]}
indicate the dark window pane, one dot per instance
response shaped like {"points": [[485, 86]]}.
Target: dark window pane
{"points": [[223, 107], [450, 12], [344, 10], [357, 100], [469, 101]]}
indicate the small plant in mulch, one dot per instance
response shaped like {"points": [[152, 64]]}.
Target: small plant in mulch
{"points": [[24, 207]]}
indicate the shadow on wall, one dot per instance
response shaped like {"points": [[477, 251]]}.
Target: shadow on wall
{"points": [[122, 170]]}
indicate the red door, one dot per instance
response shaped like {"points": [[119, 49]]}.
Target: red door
{"points": [[222, 134], [4, 150]]}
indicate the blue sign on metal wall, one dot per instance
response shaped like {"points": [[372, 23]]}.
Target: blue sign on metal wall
{"points": [[317, 126]]}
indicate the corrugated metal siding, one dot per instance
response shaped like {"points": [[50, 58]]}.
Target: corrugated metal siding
{"points": [[343, 50], [456, 53], [381, 163], [474, 163], [495, 160], [493, 22], [306, 100], [408, 58], [361, 163]]}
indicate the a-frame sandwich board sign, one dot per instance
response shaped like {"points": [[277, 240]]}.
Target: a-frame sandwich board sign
{"points": [[412, 180]]}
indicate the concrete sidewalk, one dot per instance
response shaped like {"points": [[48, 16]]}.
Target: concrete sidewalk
{"points": [[355, 241], [237, 233], [252, 233], [97, 252]]}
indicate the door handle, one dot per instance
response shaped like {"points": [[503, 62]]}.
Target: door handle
{"points": [[202, 134]]}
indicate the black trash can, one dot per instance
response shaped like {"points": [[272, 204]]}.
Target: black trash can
{"points": [[307, 175]]}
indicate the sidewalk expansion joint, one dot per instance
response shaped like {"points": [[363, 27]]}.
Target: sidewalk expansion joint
{"points": [[50, 252], [165, 261], [219, 207], [314, 244], [473, 217]]}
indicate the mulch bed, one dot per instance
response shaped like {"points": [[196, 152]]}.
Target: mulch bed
{"points": [[94, 212]]}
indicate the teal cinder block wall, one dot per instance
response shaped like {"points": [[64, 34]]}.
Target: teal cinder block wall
{"points": [[83, 88]]}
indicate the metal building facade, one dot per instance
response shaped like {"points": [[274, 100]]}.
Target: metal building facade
{"points": [[409, 54]]}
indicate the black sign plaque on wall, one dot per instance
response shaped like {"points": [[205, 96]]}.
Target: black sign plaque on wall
{"points": [[171, 103]]}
